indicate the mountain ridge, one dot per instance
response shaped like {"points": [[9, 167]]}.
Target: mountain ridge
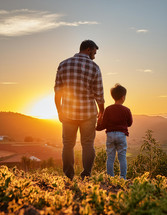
{"points": [[18, 126]]}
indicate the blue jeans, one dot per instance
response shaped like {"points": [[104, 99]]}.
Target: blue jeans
{"points": [[116, 141], [87, 135]]}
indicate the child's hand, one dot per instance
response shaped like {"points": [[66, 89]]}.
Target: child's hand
{"points": [[99, 120], [100, 117], [100, 125]]}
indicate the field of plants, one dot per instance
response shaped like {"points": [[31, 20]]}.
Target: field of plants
{"points": [[45, 192]]}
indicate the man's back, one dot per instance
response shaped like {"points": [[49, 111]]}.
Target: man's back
{"points": [[80, 79]]}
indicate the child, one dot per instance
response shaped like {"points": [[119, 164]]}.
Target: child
{"points": [[116, 120]]}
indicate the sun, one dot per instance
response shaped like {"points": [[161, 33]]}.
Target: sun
{"points": [[43, 108]]}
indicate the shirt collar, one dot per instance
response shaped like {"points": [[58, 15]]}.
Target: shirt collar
{"points": [[81, 55]]}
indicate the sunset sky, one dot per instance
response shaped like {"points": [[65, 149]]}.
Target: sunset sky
{"points": [[36, 35]]}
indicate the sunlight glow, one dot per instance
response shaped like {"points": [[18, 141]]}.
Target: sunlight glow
{"points": [[44, 108]]}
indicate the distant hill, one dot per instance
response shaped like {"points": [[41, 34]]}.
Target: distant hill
{"points": [[142, 123], [18, 126]]}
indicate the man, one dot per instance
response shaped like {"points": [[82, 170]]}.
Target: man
{"points": [[78, 85]]}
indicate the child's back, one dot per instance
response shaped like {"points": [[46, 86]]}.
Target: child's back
{"points": [[116, 120]]}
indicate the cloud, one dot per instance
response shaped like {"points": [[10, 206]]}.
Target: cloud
{"points": [[23, 22], [145, 70], [163, 96], [139, 31], [111, 73], [142, 31], [8, 83], [3, 12]]}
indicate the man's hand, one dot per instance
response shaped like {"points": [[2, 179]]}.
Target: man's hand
{"points": [[58, 96], [60, 114], [100, 117], [101, 111]]}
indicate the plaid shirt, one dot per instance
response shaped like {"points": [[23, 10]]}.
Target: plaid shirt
{"points": [[81, 81]]}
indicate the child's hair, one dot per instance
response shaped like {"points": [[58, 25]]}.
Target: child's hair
{"points": [[118, 91]]}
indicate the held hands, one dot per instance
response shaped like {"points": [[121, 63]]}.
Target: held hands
{"points": [[99, 125], [99, 117]]}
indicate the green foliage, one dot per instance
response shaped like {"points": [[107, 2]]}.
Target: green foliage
{"points": [[116, 167], [78, 163], [32, 165], [47, 193], [151, 159], [100, 163], [48, 163]]}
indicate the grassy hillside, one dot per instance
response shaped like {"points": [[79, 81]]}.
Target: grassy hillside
{"points": [[49, 193]]}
